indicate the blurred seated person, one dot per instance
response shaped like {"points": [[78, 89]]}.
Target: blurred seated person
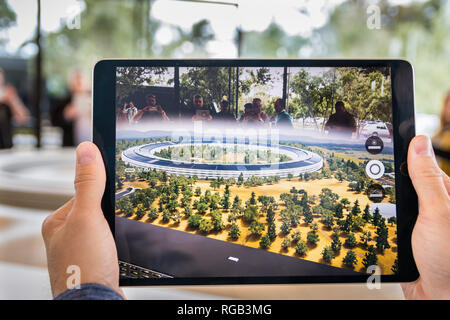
{"points": [[202, 113], [225, 115], [282, 118], [11, 109], [79, 108], [152, 111], [341, 122], [257, 104], [441, 139]]}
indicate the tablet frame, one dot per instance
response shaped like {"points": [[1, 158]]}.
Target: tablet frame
{"points": [[402, 81]]}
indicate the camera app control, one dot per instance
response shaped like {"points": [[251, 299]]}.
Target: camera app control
{"points": [[375, 169]]}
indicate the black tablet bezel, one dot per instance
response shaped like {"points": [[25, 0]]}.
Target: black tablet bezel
{"points": [[104, 136]]}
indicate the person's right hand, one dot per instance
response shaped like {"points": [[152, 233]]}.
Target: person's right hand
{"points": [[430, 237], [77, 234]]}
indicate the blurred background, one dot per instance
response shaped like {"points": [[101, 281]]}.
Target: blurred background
{"points": [[49, 47]]}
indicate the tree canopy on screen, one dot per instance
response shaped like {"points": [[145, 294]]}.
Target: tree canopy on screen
{"points": [[365, 93]]}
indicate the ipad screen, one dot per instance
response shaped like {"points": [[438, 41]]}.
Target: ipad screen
{"points": [[254, 171]]}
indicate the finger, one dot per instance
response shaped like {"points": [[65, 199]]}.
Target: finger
{"points": [[56, 219], [89, 179], [446, 181], [425, 173]]}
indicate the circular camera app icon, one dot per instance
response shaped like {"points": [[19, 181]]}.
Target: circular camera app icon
{"points": [[376, 193], [374, 145]]}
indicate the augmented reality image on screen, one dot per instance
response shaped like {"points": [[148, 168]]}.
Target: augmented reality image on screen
{"points": [[255, 171]]}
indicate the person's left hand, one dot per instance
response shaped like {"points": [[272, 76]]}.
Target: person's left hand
{"points": [[78, 234]]}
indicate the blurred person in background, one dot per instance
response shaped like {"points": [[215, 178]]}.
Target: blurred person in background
{"points": [[341, 122], [79, 108], [282, 118], [152, 111], [441, 140], [11, 109], [257, 104], [121, 116], [201, 113], [225, 115], [252, 115], [131, 111]]}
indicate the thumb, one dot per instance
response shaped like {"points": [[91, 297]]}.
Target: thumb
{"points": [[425, 174], [89, 178]]}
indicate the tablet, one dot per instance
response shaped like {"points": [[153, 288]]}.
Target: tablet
{"points": [[315, 191]]}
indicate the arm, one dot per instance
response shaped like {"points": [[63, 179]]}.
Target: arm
{"points": [[164, 116], [138, 115], [19, 111]]}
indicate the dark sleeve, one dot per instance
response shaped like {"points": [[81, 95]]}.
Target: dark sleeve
{"points": [[89, 291], [352, 122], [330, 121]]}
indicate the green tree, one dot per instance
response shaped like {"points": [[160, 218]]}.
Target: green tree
{"points": [[256, 228], [350, 259], [366, 215], [251, 213], [392, 220], [338, 210], [176, 216], [166, 216], [312, 238], [285, 244], [253, 199], [241, 179], [194, 221], [188, 211], [301, 249], [394, 267], [140, 212], [205, 226], [314, 227], [216, 217], [366, 238], [350, 242], [328, 220], [382, 233], [356, 210], [235, 232], [307, 215], [327, 254], [296, 236], [376, 219], [370, 258], [272, 231], [202, 207], [265, 241], [153, 214], [336, 244], [285, 226]]}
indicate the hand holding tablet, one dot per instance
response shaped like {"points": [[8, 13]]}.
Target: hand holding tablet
{"points": [[242, 191], [169, 198], [429, 246]]}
